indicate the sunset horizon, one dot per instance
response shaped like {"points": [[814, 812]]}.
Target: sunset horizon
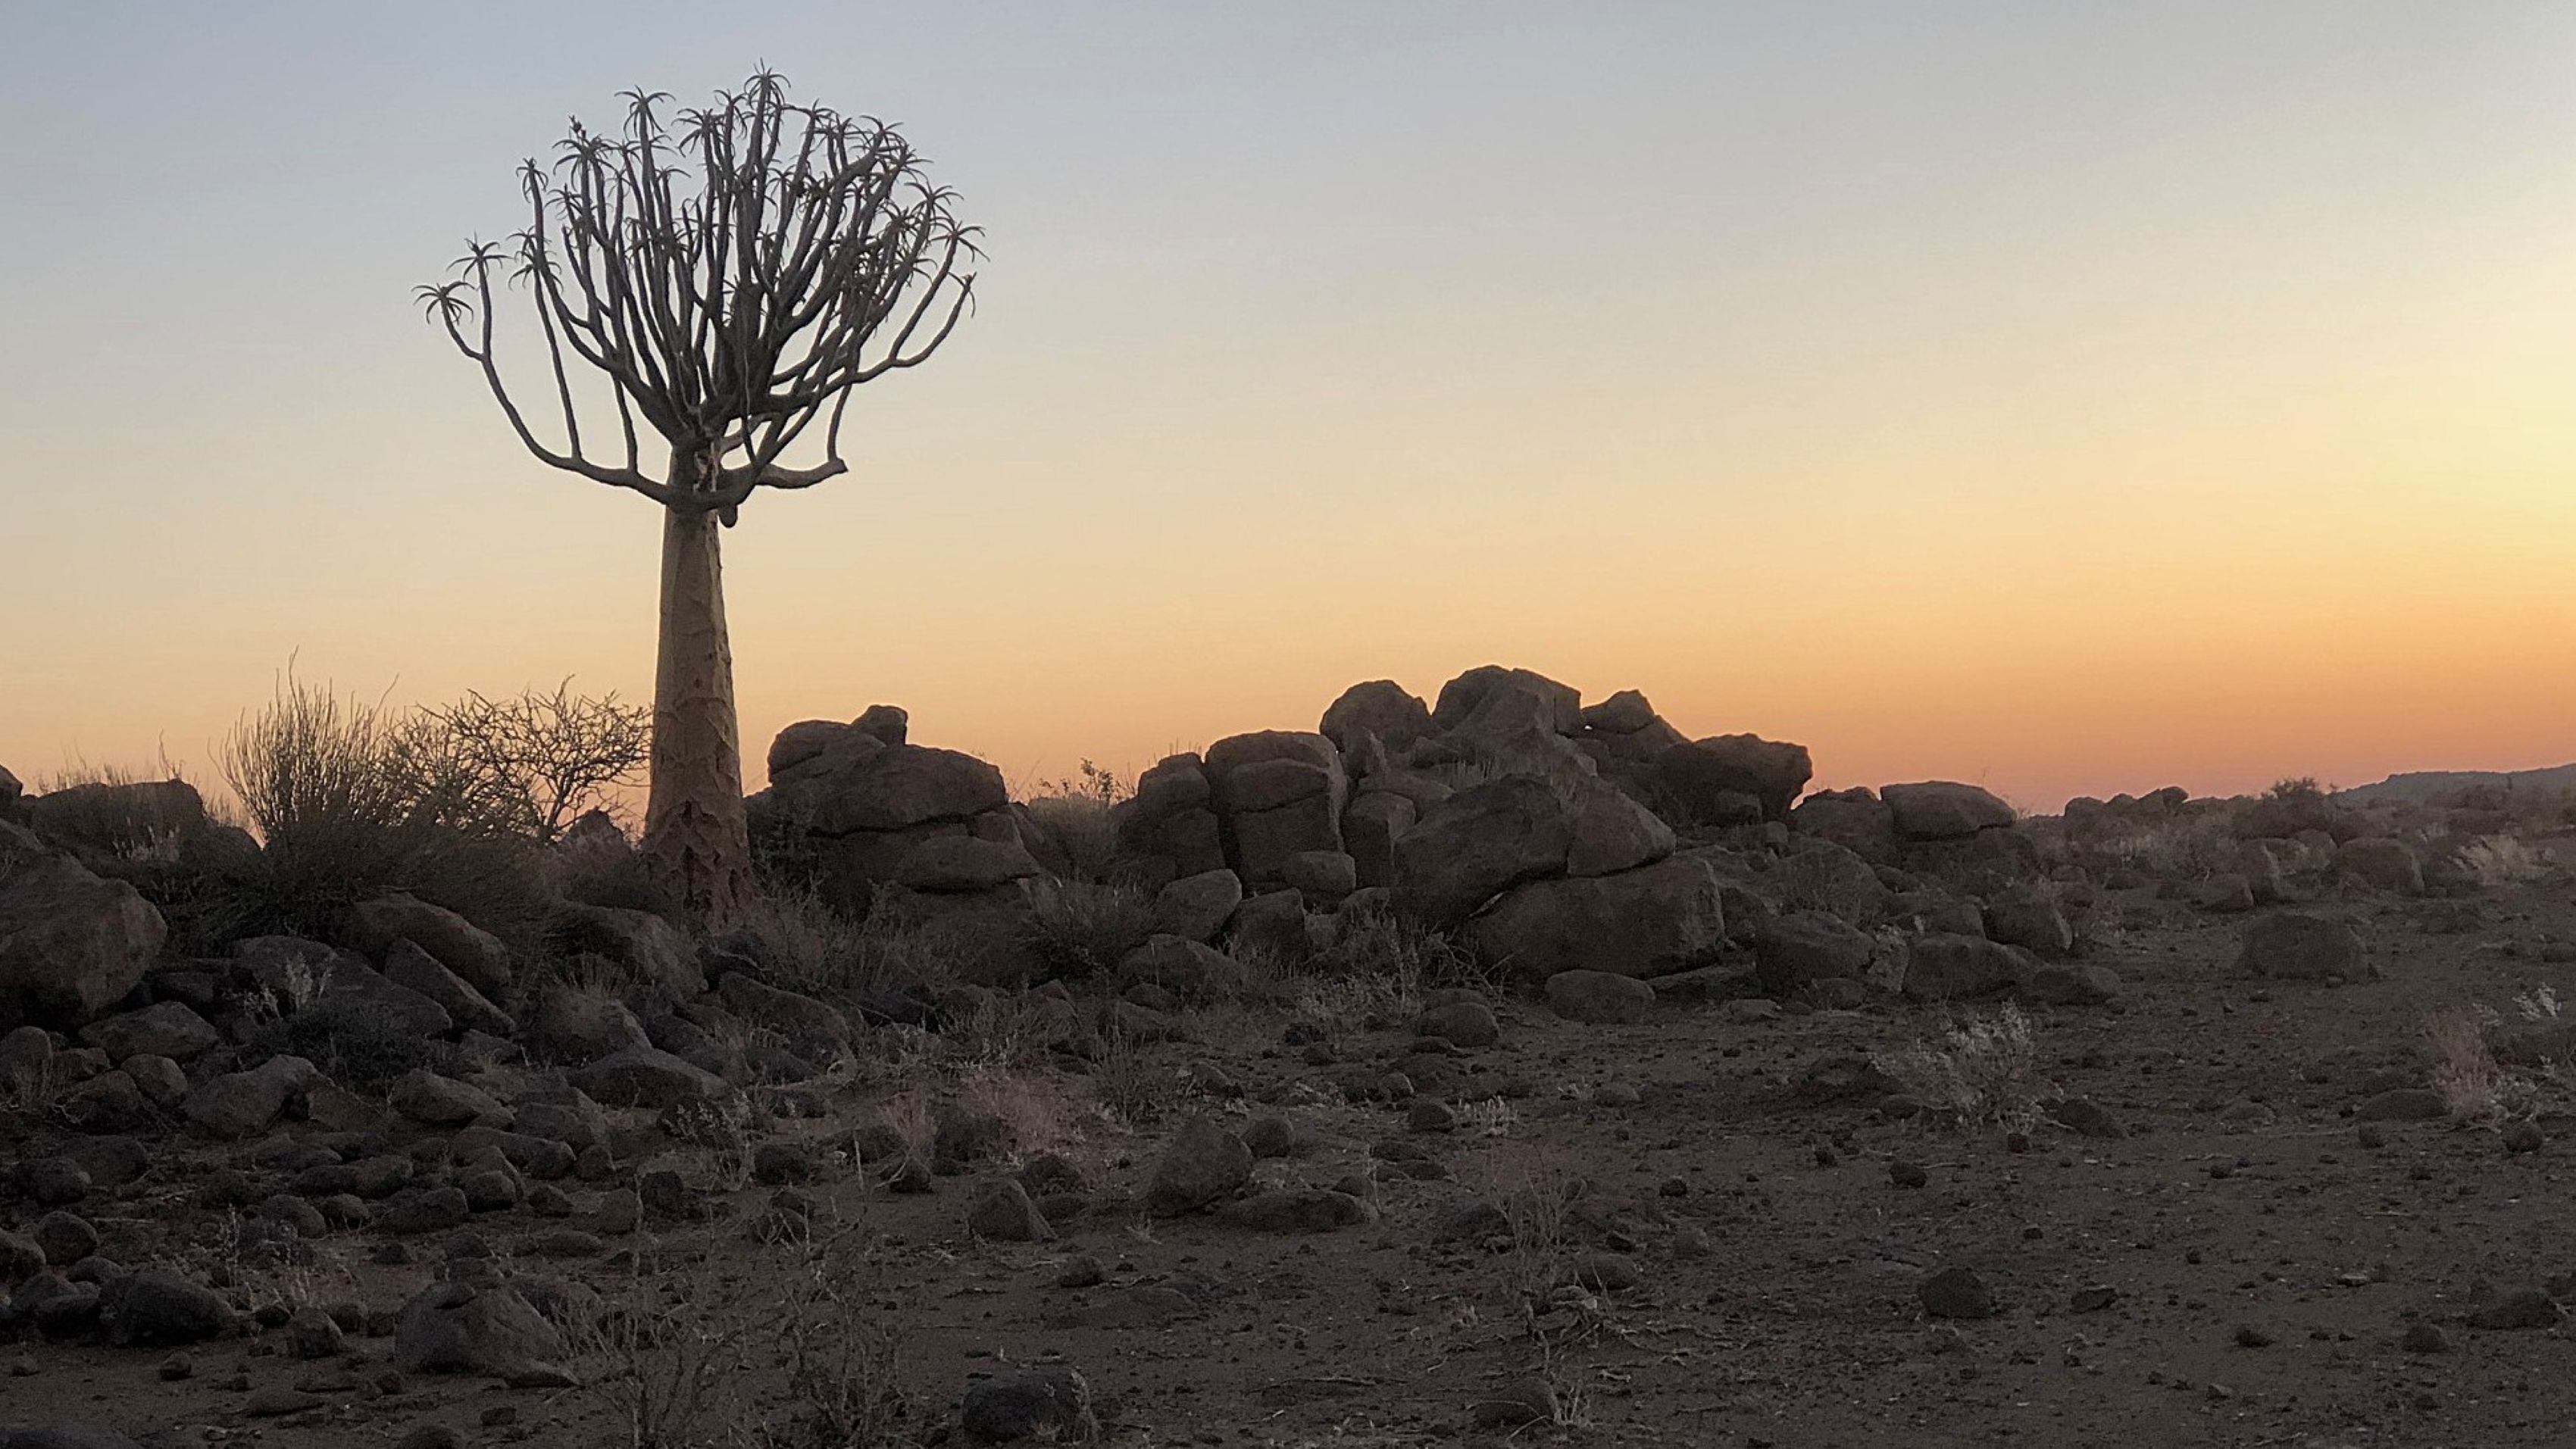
{"points": [[2209, 431], [1366, 723]]}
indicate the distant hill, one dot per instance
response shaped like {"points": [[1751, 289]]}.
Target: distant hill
{"points": [[2418, 786]]}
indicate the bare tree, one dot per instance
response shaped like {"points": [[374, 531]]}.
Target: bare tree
{"points": [[539, 759], [733, 276]]}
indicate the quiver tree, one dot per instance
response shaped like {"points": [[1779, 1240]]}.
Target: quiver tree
{"points": [[731, 276]]}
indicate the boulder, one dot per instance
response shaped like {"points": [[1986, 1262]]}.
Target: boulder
{"points": [[963, 863], [1277, 794], [583, 1025], [1599, 997], [163, 1029], [1001, 1212], [1202, 1163], [1819, 875], [71, 943], [649, 956], [1855, 819], [1324, 878], [1052, 1403], [1624, 713], [1704, 782], [2264, 866], [1944, 810], [2381, 864], [153, 1307], [1477, 844], [1196, 907], [1560, 705], [1188, 969], [100, 819], [2299, 946], [645, 1076], [62, 1436], [2226, 893], [474, 955], [2030, 917], [1608, 832], [357, 992], [1516, 731], [897, 787], [479, 1328], [1169, 820], [793, 1015], [1794, 951], [435, 1101], [1295, 1210], [2058, 984], [1371, 825], [242, 1104], [1941, 967], [409, 966], [1382, 708], [1461, 1023], [1643, 922]]}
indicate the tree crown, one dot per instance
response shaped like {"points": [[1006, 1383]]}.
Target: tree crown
{"points": [[734, 273]]}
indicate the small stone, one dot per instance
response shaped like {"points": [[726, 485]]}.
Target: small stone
{"points": [[2248, 1336], [782, 1164], [2523, 1136], [1523, 1401], [1429, 1115], [1906, 1174], [274, 1400], [1959, 1292], [1001, 1212], [2423, 1337], [312, 1333], [176, 1367], [2529, 1307], [1027, 1403]]}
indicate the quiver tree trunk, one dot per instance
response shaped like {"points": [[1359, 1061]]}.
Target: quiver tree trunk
{"points": [[697, 847], [732, 281]]}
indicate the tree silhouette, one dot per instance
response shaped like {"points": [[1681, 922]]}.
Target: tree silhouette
{"points": [[733, 277]]}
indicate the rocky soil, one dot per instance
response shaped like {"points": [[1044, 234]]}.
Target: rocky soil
{"points": [[1498, 1070]]}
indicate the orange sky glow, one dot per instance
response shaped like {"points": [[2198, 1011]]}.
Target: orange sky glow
{"points": [[2123, 405]]}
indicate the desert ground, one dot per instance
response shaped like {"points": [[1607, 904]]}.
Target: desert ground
{"points": [[1500, 1069]]}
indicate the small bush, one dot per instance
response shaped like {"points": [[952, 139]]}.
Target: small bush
{"points": [[2474, 1086], [1132, 1085], [1984, 1069], [1084, 928], [2498, 861], [1075, 814], [351, 804], [815, 947], [358, 1049], [535, 761]]}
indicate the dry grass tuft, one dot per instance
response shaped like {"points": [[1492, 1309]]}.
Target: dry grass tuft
{"points": [[1984, 1068], [1084, 928], [794, 1353], [1133, 1086], [2500, 861], [2474, 1087], [1535, 1199]]}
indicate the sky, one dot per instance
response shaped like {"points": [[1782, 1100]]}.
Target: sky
{"points": [[2068, 397]]}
